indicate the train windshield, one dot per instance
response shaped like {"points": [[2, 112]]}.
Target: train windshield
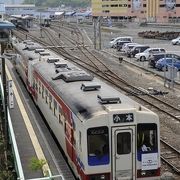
{"points": [[98, 146], [147, 138]]}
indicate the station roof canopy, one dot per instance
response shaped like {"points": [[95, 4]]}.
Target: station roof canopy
{"points": [[70, 13], [22, 17], [59, 13], [6, 25]]}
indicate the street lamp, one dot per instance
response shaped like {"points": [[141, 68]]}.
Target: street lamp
{"points": [[5, 29]]}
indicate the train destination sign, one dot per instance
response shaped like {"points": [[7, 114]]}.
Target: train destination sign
{"points": [[123, 118]]}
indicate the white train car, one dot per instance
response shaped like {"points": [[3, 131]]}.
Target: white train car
{"points": [[104, 134]]}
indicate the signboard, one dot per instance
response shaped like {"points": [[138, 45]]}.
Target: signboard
{"points": [[10, 94], [123, 118], [149, 161]]}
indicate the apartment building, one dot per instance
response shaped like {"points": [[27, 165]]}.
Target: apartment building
{"points": [[142, 10]]}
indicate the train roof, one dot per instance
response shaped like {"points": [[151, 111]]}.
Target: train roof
{"points": [[84, 94]]}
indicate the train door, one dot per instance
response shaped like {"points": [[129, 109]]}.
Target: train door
{"points": [[123, 153]]}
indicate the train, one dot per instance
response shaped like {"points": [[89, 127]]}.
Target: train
{"points": [[105, 135]]}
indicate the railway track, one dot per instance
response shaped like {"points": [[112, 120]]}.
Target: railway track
{"points": [[170, 156], [95, 65]]}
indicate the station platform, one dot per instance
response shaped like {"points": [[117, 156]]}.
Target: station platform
{"points": [[24, 135]]}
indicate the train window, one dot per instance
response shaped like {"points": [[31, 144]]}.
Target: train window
{"points": [[50, 101], [147, 138], [42, 91], [55, 108], [98, 146], [46, 91], [60, 115], [123, 143], [39, 87], [80, 136], [36, 86]]}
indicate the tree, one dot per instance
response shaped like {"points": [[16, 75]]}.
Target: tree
{"points": [[56, 3]]}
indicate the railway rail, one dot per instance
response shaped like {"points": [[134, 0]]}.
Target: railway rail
{"points": [[170, 156], [95, 65]]}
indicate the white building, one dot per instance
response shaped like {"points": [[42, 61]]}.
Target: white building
{"points": [[20, 9]]}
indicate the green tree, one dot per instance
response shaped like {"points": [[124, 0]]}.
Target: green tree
{"points": [[56, 3]]}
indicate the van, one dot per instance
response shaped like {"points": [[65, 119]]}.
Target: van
{"points": [[114, 41], [120, 44], [137, 49]]}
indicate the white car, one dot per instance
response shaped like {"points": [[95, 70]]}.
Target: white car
{"points": [[144, 56], [127, 46], [114, 41], [176, 41]]}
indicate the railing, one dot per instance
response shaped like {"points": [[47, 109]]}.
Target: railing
{"points": [[17, 160]]}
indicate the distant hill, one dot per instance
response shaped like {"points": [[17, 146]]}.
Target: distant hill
{"points": [[57, 3]]}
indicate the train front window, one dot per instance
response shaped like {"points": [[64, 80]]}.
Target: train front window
{"points": [[98, 146], [147, 138], [123, 143]]}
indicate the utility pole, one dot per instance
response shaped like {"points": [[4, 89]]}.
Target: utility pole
{"points": [[94, 22], [97, 32]]}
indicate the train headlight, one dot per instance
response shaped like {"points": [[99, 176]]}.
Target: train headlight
{"points": [[102, 177], [143, 173]]}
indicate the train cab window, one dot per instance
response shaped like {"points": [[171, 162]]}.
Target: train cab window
{"points": [[123, 143], [147, 139], [98, 146]]}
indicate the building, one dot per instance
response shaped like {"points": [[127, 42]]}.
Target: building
{"points": [[141, 10], [20, 9]]}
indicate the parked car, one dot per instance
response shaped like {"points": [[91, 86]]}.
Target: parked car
{"points": [[128, 46], [113, 41], [162, 64], [119, 44], [176, 41], [144, 56], [155, 57], [136, 49]]}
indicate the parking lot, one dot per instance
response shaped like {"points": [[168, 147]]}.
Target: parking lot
{"points": [[132, 30]]}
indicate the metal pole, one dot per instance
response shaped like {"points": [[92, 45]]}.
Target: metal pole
{"points": [[99, 33], [165, 73], [172, 74], [94, 21], [5, 96]]}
